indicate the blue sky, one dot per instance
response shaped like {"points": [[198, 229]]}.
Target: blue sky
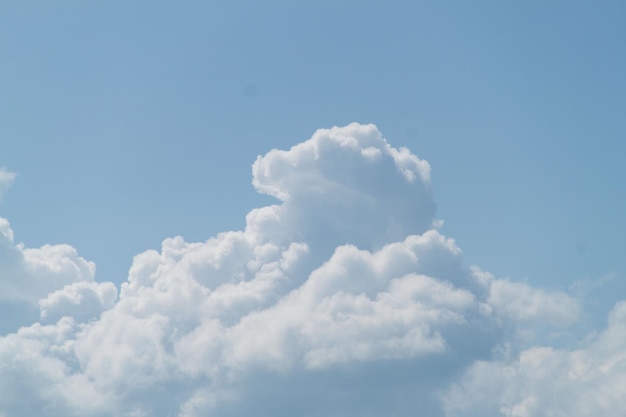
{"points": [[128, 123]]}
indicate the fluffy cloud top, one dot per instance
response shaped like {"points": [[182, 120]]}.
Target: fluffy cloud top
{"points": [[28, 274], [80, 300], [340, 300], [341, 179]]}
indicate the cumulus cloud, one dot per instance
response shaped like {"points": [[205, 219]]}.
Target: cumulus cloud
{"points": [[521, 303], [81, 300], [32, 273], [339, 180], [585, 382], [343, 299], [28, 275]]}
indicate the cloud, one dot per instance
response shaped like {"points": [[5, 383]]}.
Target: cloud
{"points": [[6, 181], [343, 299], [29, 274], [522, 303], [339, 180], [584, 382], [81, 300]]}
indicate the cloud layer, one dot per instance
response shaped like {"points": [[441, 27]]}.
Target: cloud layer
{"points": [[343, 299]]}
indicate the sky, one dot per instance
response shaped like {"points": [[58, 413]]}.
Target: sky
{"points": [[313, 208]]}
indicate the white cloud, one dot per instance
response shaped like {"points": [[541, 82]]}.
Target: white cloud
{"points": [[81, 300], [341, 179], [341, 299], [39, 373], [522, 303], [6, 181], [585, 382], [28, 274]]}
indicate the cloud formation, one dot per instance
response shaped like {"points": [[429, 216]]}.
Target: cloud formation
{"points": [[341, 179], [32, 273], [343, 299], [583, 382]]}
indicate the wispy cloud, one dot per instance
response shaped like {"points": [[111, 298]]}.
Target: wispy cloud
{"points": [[6, 181]]}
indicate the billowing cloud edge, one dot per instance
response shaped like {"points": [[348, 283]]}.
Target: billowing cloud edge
{"points": [[346, 278]]}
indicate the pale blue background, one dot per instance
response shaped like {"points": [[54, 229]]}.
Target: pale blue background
{"points": [[132, 121]]}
